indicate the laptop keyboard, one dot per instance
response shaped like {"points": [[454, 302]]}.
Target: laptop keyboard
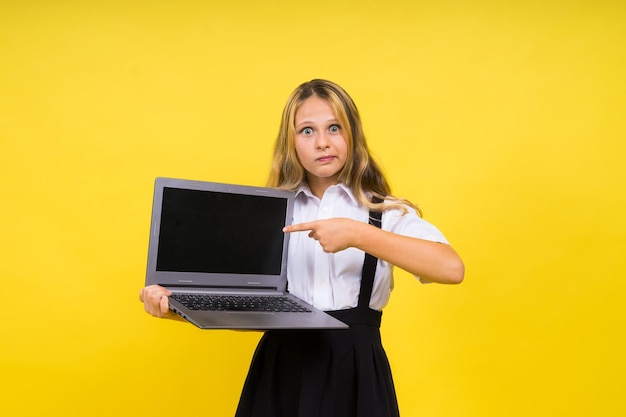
{"points": [[239, 303]]}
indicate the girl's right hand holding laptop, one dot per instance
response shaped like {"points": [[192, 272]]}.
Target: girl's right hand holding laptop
{"points": [[155, 301]]}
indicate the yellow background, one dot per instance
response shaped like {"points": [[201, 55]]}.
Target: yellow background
{"points": [[504, 121]]}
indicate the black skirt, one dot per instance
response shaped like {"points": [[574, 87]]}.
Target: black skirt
{"points": [[321, 373]]}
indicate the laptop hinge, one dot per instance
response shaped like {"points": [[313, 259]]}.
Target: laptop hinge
{"points": [[216, 287]]}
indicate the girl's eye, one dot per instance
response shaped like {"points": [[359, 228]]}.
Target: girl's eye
{"points": [[334, 129], [307, 131]]}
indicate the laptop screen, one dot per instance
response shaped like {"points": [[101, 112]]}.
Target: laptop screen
{"points": [[214, 232]]}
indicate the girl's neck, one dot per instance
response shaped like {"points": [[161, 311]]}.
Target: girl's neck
{"points": [[319, 185]]}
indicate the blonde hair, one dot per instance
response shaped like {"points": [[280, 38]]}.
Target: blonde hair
{"points": [[360, 172]]}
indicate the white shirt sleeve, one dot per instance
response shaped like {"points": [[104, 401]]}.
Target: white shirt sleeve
{"points": [[411, 225]]}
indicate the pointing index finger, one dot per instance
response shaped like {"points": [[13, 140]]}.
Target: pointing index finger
{"points": [[300, 227]]}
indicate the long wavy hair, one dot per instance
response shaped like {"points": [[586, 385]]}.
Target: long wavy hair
{"points": [[360, 172]]}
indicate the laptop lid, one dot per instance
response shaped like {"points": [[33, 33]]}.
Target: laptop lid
{"points": [[207, 234]]}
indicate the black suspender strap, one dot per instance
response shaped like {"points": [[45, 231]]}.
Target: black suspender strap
{"points": [[369, 265]]}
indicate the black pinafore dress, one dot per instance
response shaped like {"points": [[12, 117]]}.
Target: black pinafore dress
{"points": [[324, 373]]}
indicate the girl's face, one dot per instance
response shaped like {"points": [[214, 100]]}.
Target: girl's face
{"points": [[319, 142]]}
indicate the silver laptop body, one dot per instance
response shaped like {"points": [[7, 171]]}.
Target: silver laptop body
{"points": [[226, 240]]}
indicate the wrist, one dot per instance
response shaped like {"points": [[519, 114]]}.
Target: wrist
{"points": [[364, 235]]}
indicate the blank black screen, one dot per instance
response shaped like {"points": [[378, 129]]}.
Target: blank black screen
{"points": [[215, 232]]}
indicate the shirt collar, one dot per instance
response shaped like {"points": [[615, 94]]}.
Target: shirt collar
{"points": [[306, 190]]}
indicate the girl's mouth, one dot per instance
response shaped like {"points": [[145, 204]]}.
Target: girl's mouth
{"points": [[324, 159]]}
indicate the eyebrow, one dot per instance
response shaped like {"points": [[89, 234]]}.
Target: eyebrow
{"points": [[308, 122]]}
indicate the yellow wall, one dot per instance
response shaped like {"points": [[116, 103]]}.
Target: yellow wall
{"points": [[503, 120]]}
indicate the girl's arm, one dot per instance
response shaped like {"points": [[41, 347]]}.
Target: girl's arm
{"points": [[431, 261]]}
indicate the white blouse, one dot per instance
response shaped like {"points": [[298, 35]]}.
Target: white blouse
{"points": [[331, 281]]}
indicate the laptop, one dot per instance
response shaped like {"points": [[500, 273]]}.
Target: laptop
{"points": [[221, 250]]}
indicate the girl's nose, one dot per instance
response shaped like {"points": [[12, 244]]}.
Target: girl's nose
{"points": [[322, 141]]}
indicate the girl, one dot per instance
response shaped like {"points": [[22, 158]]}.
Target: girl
{"points": [[347, 234]]}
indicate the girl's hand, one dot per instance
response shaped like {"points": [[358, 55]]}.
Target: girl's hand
{"points": [[334, 235], [155, 301]]}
